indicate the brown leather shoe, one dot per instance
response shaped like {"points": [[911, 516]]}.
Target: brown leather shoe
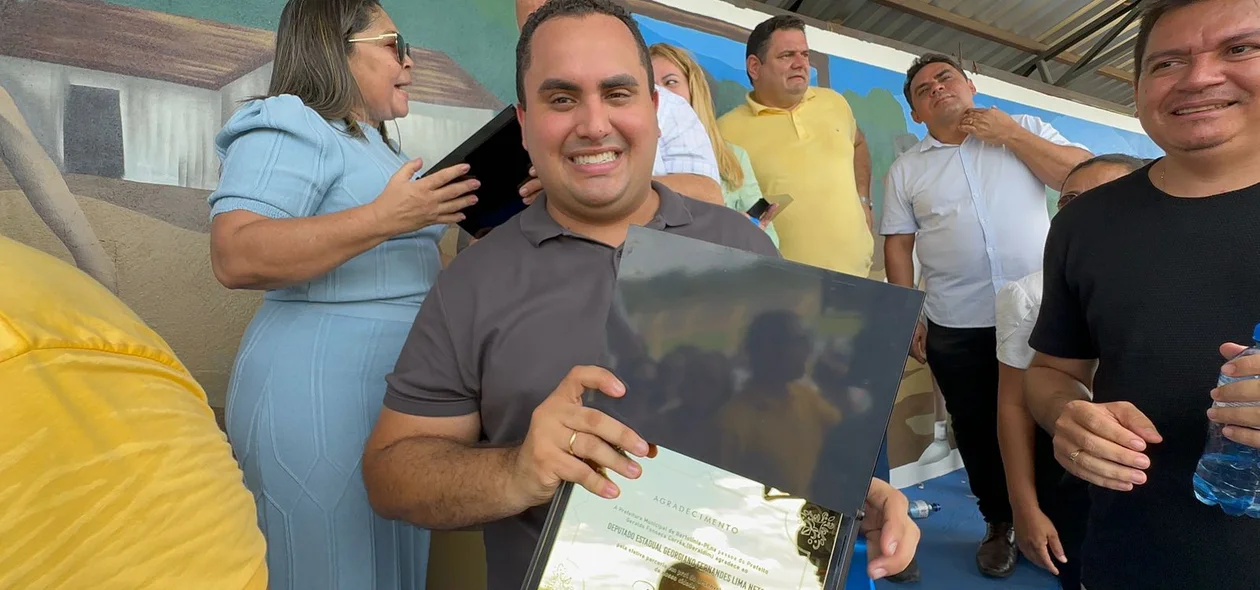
{"points": [[998, 552]]}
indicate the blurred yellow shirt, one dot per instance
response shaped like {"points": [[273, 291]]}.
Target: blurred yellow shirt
{"points": [[787, 433], [807, 153], [113, 472]]}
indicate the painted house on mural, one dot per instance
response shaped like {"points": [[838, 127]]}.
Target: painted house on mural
{"points": [[123, 93], [138, 95]]}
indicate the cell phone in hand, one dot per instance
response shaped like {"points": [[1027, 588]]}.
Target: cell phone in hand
{"points": [[767, 208], [761, 207]]}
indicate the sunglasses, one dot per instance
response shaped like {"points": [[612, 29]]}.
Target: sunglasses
{"points": [[403, 48]]}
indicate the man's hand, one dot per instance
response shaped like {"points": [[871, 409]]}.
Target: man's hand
{"points": [[1104, 443], [918, 344], [1240, 422], [569, 442], [1038, 539], [891, 535], [532, 187], [990, 125]]}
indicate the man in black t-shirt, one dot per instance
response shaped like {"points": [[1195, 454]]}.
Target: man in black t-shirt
{"points": [[1146, 285]]}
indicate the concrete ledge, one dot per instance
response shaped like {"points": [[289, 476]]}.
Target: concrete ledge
{"points": [[913, 474]]}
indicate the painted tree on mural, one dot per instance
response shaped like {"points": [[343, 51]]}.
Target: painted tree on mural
{"points": [[38, 177], [881, 119], [727, 95]]}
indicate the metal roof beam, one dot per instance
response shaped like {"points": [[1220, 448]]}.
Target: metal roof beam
{"points": [[941, 16], [1079, 68], [1117, 11], [1111, 54]]}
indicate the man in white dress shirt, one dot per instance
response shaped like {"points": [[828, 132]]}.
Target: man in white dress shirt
{"points": [[685, 161], [973, 194]]}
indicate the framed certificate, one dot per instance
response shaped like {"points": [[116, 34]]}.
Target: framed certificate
{"points": [[685, 525], [767, 386]]}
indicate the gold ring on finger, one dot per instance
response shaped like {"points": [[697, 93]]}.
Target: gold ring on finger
{"points": [[1072, 457], [572, 438]]}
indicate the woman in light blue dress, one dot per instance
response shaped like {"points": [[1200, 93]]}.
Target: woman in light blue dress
{"points": [[317, 207]]}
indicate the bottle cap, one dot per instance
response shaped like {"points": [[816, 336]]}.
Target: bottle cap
{"points": [[1255, 334]]}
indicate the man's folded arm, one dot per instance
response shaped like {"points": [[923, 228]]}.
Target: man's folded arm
{"points": [[424, 462], [432, 472]]}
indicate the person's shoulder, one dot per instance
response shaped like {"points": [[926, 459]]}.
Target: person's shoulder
{"points": [[49, 303], [480, 262], [1027, 120], [724, 226], [732, 118], [1035, 124], [906, 159], [1022, 289], [830, 96], [284, 113]]}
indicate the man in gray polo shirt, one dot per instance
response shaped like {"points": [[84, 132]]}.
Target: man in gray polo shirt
{"points": [[475, 429]]}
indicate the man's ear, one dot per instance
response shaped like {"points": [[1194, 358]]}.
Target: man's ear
{"points": [[753, 65], [520, 120], [524, 8]]}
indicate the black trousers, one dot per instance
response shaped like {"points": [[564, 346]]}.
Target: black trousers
{"points": [[1065, 500], [964, 362]]}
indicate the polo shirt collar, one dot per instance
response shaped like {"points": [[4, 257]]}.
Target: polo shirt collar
{"points": [[538, 225], [757, 107]]}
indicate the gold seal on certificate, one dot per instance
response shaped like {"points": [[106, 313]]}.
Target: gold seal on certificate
{"points": [[767, 387]]}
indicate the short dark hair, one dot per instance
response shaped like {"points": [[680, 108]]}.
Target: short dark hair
{"points": [[1129, 163], [759, 39], [924, 61], [574, 8], [1151, 14]]}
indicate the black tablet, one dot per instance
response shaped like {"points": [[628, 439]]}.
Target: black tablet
{"points": [[496, 157]]}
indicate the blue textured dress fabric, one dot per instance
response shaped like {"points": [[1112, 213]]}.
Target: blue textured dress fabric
{"points": [[308, 380]]}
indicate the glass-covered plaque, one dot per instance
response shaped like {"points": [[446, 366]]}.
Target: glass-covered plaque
{"points": [[767, 386]]}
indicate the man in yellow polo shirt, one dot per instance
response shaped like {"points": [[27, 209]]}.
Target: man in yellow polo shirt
{"points": [[113, 472], [805, 143]]}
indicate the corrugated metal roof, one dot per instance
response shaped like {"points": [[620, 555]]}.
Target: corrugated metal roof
{"points": [[1003, 34]]}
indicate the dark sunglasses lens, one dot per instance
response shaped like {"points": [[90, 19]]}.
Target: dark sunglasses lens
{"points": [[403, 49]]}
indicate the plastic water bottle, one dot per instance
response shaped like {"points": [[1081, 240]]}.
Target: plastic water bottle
{"points": [[1228, 474], [920, 509]]}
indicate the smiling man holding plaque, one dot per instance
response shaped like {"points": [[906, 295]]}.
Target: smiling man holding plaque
{"points": [[483, 417]]}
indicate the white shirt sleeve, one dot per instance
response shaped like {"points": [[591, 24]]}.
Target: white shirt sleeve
{"points": [[1018, 304], [684, 147], [1045, 131], [897, 215]]}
